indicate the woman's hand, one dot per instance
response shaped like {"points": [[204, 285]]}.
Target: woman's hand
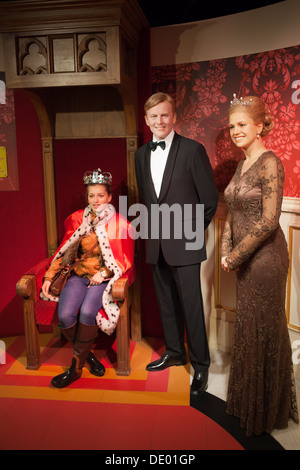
{"points": [[96, 279], [45, 289], [224, 264]]}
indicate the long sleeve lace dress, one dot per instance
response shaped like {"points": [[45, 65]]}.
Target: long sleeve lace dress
{"points": [[261, 390]]}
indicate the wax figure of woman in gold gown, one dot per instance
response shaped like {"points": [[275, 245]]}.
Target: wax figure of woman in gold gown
{"points": [[261, 389]]}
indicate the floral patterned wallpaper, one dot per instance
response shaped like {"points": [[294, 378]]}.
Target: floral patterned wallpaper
{"points": [[203, 90]]}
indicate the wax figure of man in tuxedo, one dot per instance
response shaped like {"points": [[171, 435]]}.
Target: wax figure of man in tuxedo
{"points": [[177, 172]]}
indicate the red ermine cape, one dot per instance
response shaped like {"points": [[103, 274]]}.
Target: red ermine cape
{"points": [[116, 239]]}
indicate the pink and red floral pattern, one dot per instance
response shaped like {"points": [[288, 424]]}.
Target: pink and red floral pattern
{"points": [[203, 90]]}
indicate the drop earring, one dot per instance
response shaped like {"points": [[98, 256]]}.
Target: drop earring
{"points": [[258, 135]]}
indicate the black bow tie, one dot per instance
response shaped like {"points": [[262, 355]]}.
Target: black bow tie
{"points": [[153, 145]]}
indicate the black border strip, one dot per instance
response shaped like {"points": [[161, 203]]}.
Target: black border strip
{"points": [[215, 408]]}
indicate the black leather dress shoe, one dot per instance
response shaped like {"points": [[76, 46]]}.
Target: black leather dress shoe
{"points": [[199, 384], [165, 361]]}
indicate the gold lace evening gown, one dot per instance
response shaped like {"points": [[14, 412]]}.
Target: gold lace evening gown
{"points": [[261, 390]]}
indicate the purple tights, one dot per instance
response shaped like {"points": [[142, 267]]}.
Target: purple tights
{"points": [[77, 298]]}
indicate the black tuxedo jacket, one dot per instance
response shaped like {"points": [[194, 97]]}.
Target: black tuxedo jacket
{"points": [[188, 179]]}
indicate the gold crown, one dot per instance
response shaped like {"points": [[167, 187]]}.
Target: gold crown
{"points": [[96, 177], [240, 101]]}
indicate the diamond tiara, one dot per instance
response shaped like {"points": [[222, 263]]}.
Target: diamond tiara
{"points": [[240, 101], [96, 177]]}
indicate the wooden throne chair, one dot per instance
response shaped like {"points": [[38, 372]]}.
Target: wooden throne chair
{"points": [[101, 92]]}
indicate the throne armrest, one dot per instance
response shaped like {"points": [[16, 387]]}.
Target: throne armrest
{"points": [[30, 283], [26, 286], [120, 287]]}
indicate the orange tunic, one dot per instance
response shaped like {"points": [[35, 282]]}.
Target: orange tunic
{"points": [[121, 239]]}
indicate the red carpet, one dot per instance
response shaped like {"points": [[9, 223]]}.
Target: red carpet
{"points": [[145, 411]]}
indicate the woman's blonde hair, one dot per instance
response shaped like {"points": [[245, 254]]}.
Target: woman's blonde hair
{"points": [[256, 109]]}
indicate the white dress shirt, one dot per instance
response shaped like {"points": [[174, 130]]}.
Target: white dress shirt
{"points": [[158, 162]]}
